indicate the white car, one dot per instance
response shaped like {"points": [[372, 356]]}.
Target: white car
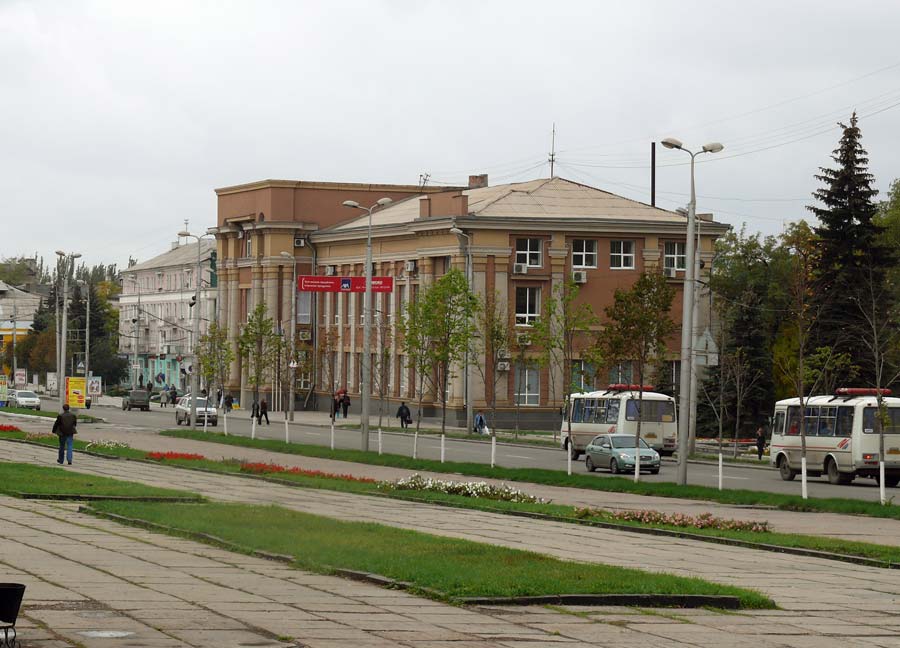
{"points": [[23, 398], [183, 412]]}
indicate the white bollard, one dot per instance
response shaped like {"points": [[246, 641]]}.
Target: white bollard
{"points": [[442, 448], [803, 490], [493, 450], [568, 462], [205, 422], [253, 429], [416, 445], [720, 471], [332, 435], [225, 418], [881, 495], [287, 435], [379, 440]]}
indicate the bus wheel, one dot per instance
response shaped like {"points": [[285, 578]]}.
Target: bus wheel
{"points": [[785, 470], [890, 481], [589, 464], [573, 452], [834, 475]]}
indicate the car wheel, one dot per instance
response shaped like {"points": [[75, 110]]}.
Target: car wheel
{"points": [[785, 471], [614, 466], [890, 481], [589, 464], [654, 471], [177, 419], [124, 406], [214, 423]]}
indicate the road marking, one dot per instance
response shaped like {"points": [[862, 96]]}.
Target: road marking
{"points": [[519, 457], [729, 477]]}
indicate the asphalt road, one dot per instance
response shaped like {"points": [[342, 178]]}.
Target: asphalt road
{"points": [[759, 478]]}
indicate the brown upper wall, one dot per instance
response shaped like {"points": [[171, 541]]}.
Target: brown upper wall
{"points": [[306, 202]]}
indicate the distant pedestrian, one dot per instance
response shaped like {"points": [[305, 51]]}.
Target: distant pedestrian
{"points": [[64, 427], [149, 387], [263, 411], [480, 423], [164, 398], [254, 410], [760, 442], [173, 395], [345, 404], [404, 415], [219, 401], [336, 407], [229, 403]]}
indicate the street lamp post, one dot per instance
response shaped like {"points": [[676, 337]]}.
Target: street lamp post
{"points": [[366, 364], [68, 263], [687, 313], [293, 362], [195, 330], [87, 330], [467, 375]]}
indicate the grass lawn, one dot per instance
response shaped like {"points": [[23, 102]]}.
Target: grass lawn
{"points": [[559, 478], [454, 568], [46, 480], [84, 418], [532, 437]]}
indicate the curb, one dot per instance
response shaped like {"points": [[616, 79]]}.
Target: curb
{"points": [[623, 600], [38, 417], [108, 498]]}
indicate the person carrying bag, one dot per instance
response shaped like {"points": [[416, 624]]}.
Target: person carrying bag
{"points": [[64, 428]]}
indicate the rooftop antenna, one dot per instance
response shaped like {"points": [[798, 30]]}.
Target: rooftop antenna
{"points": [[552, 158], [423, 179]]}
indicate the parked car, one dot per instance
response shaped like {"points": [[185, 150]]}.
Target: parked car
{"points": [[204, 410], [616, 452], [136, 399], [24, 398]]}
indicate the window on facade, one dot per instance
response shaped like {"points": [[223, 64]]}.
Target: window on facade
{"points": [[583, 375], [528, 251], [248, 246], [304, 307], [528, 305], [621, 255], [584, 254], [528, 385], [675, 256], [622, 373]]}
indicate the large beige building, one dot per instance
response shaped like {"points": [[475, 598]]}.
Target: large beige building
{"points": [[524, 240]]}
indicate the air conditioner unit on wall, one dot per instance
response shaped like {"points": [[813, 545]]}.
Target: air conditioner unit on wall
{"points": [[330, 271], [304, 335], [503, 366], [520, 268], [669, 272], [579, 277], [410, 266], [523, 339], [299, 241]]}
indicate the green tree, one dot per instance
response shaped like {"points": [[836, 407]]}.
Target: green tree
{"points": [[638, 327], [417, 343], [215, 355], [559, 333], [852, 246], [491, 345], [258, 344]]}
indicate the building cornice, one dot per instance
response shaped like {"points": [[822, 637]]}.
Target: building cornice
{"points": [[336, 186]]}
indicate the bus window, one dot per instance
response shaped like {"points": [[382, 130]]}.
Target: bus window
{"points": [[778, 426], [588, 416], [651, 411], [812, 421], [891, 424], [612, 411], [600, 411], [827, 416], [577, 410], [793, 421], [844, 424]]}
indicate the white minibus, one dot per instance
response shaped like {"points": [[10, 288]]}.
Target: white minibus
{"points": [[614, 410], [841, 436]]}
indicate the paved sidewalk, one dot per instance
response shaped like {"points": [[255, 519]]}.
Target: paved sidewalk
{"points": [[863, 529], [825, 603]]}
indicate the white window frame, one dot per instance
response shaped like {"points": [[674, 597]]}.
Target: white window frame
{"points": [[524, 375], [672, 258], [586, 257], [532, 306], [623, 257], [248, 246], [529, 254]]}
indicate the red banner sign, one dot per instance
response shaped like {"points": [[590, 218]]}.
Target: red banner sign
{"points": [[316, 283]]}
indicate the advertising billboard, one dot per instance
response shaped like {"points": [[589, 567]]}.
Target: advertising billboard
{"points": [[21, 378], [76, 390]]}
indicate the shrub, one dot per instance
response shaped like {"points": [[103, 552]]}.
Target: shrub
{"points": [[481, 490]]}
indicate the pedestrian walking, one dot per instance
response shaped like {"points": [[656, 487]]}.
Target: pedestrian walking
{"points": [[345, 404], [254, 410], [336, 407], [263, 411], [480, 423], [404, 415], [64, 428], [760, 442], [173, 395], [164, 398], [229, 403]]}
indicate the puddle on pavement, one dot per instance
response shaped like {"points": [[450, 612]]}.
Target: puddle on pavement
{"points": [[106, 634]]}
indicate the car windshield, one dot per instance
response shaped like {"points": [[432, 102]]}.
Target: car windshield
{"points": [[25, 394], [201, 402], [626, 442]]}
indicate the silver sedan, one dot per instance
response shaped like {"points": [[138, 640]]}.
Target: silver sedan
{"points": [[616, 452]]}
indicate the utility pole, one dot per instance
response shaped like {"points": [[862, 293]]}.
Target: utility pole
{"points": [[14, 326], [87, 335], [552, 158]]}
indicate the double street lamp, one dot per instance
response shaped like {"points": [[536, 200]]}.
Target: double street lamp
{"points": [[195, 327], [365, 388], [687, 314], [470, 424], [292, 365], [68, 262]]}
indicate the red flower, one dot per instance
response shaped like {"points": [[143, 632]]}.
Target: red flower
{"points": [[161, 456], [9, 428], [264, 468]]}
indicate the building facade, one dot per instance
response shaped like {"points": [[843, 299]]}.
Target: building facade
{"points": [[523, 241], [17, 309], [155, 325]]}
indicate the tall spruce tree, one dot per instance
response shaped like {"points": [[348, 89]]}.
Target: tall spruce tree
{"points": [[851, 244]]}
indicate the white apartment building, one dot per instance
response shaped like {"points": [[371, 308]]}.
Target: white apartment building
{"points": [[155, 313]]}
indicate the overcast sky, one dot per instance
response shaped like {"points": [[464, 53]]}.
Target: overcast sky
{"points": [[118, 119]]}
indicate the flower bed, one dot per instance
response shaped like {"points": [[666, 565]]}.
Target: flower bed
{"points": [[36, 436], [481, 490], [106, 444], [702, 521], [269, 468], [9, 428], [162, 456]]}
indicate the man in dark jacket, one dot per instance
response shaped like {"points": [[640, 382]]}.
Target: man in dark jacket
{"points": [[64, 426], [403, 414], [263, 411]]}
